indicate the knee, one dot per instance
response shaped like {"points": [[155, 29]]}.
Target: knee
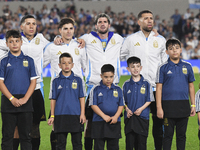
{"points": [[35, 132]]}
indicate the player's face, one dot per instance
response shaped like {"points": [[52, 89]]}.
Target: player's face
{"points": [[102, 25], [134, 69], [67, 31], [107, 78], [14, 44], [146, 22], [66, 64], [174, 52], [29, 27]]}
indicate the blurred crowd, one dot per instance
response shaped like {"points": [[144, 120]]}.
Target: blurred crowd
{"points": [[185, 26]]}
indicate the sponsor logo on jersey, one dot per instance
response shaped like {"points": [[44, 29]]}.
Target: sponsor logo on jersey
{"points": [[142, 90], [155, 44], [169, 72], [8, 65], [137, 44], [93, 41], [74, 84], [129, 91], [113, 41], [25, 63], [184, 69], [59, 53], [76, 51], [37, 41], [100, 94], [115, 93], [59, 87]]}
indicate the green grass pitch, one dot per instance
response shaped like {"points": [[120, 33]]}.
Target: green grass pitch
{"points": [[192, 142]]}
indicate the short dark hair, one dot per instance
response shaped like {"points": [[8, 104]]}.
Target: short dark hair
{"points": [[66, 21], [134, 60], [26, 17], [101, 15], [107, 68], [144, 12], [172, 42], [13, 33], [65, 55]]}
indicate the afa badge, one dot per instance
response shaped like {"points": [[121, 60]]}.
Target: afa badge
{"points": [[37, 41], [76, 51], [103, 44], [113, 41], [25, 63], [115, 93], [74, 84], [155, 44], [184, 70], [142, 90]]}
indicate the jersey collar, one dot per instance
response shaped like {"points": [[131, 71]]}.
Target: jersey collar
{"points": [[12, 56], [110, 34], [104, 86], [173, 64], [22, 34], [63, 77], [139, 82]]}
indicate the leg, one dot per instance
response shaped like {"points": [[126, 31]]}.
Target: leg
{"points": [[16, 139], [112, 144], [38, 115], [61, 141], [24, 124], [53, 140], [157, 129], [142, 142], [9, 122], [99, 144], [88, 140], [130, 141], [181, 127], [169, 124], [77, 140]]}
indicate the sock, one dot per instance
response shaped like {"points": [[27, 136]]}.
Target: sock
{"points": [[53, 140], [35, 143], [15, 144]]}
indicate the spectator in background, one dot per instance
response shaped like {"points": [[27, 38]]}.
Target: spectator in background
{"points": [[187, 53], [187, 14], [176, 18]]}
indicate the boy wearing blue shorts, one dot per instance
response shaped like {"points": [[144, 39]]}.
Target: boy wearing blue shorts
{"points": [[174, 85], [67, 105], [106, 100], [138, 95], [17, 82]]}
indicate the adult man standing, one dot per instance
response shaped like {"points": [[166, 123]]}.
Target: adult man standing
{"points": [[102, 47], [151, 50]]}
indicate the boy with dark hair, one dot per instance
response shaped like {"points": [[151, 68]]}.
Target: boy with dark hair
{"points": [[106, 100], [17, 82], [138, 95], [67, 105], [174, 82]]}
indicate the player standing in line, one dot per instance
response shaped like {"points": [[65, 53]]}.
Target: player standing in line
{"points": [[102, 47], [69, 45], [151, 50]]}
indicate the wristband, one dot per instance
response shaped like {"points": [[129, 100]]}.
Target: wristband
{"points": [[11, 98], [52, 116], [193, 105]]}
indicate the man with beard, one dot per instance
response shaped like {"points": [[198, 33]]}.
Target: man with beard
{"points": [[151, 50], [102, 47]]}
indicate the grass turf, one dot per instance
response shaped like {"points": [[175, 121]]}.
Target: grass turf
{"points": [[192, 142]]}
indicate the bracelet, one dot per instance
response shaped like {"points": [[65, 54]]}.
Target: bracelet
{"points": [[52, 116], [11, 98], [193, 105]]}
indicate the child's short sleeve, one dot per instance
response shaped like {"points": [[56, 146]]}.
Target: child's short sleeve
{"points": [[2, 70], [93, 98], [53, 90], [150, 96], [159, 75], [121, 98], [197, 101], [82, 91], [191, 74]]}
